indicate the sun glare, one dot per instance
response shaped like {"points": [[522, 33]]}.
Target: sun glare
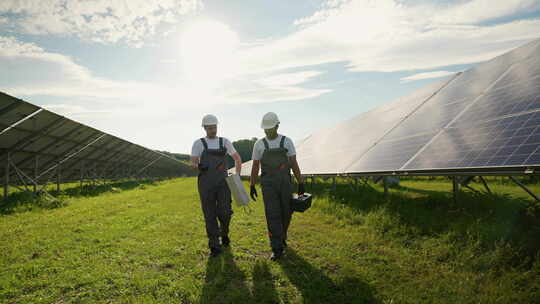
{"points": [[207, 50]]}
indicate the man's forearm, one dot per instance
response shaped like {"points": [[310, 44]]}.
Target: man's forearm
{"points": [[254, 173], [194, 163], [297, 174], [238, 165]]}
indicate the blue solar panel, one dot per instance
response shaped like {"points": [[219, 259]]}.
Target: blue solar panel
{"points": [[486, 117], [389, 155], [509, 141], [507, 100], [500, 129], [330, 150]]}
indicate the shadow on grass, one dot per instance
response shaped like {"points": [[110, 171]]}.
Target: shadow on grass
{"points": [[24, 201], [410, 213], [224, 281], [95, 190], [446, 194], [316, 287], [264, 290]]}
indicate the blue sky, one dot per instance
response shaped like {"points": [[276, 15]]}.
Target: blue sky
{"points": [[148, 71]]}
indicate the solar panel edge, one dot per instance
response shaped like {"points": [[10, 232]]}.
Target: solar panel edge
{"points": [[10, 102], [503, 63], [454, 119], [517, 116], [422, 104]]}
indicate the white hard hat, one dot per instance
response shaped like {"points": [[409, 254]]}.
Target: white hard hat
{"points": [[209, 120], [269, 120]]}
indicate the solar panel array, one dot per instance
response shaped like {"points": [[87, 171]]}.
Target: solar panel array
{"points": [[482, 119], [41, 143]]}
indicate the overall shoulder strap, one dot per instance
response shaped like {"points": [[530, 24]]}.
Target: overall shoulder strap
{"points": [[205, 144], [266, 146], [282, 142], [221, 143]]}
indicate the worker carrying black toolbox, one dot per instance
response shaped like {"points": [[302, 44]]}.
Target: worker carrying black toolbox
{"points": [[301, 203]]}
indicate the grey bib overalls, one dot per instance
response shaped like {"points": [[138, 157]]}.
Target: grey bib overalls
{"points": [[277, 192], [214, 192]]}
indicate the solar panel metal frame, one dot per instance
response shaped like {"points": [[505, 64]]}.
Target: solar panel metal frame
{"points": [[39, 143], [522, 54]]}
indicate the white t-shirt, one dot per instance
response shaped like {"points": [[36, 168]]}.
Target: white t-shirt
{"points": [[259, 148], [198, 147]]}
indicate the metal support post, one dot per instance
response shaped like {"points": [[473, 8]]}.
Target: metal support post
{"points": [[58, 178], [81, 178], [465, 182], [470, 188], [94, 177], [455, 188], [364, 180], [524, 188], [334, 185], [485, 184], [23, 177], [6, 179], [35, 173]]}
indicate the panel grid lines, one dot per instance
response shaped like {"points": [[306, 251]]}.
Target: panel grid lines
{"points": [[453, 120], [39, 141]]}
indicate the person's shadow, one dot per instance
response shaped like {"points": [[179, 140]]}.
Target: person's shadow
{"points": [[264, 290], [224, 281], [316, 287]]}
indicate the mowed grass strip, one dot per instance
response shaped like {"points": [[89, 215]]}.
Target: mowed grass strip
{"points": [[147, 244]]}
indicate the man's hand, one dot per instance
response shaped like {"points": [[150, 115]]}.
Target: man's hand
{"points": [[301, 189], [253, 192], [194, 162], [202, 167]]}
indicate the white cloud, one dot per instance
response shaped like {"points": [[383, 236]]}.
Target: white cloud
{"points": [[382, 35], [264, 88], [328, 9], [104, 21], [270, 94], [289, 79], [387, 35], [426, 75], [74, 110], [365, 35], [477, 11], [34, 71]]}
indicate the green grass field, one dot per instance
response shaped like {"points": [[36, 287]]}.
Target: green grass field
{"points": [[145, 243]]}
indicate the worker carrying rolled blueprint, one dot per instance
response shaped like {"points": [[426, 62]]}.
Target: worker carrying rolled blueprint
{"points": [[238, 191]]}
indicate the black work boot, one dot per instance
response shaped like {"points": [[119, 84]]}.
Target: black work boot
{"points": [[276, 254], [214, 252], [225, 241], [284, 244]]}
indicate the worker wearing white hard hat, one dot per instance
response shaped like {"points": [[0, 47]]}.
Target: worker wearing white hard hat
{"points": [[269, 121], [275, 154], [208, 157], [209, 120]]}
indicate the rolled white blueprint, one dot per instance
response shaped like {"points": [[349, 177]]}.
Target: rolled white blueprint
{"points": [[238, 191]]}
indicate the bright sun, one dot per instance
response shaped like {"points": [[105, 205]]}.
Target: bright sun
{"points": [[207, 51]]}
